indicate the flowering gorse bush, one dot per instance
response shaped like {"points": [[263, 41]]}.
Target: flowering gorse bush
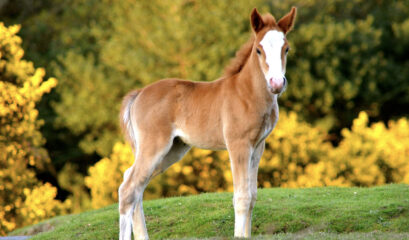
{"points": [[373, 155], [105, 175], [23, 199]]}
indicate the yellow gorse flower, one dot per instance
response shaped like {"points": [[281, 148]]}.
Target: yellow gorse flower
{"points": [[23, 198]]}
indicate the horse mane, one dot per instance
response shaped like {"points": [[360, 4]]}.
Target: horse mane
{"points": [[238, 62]]}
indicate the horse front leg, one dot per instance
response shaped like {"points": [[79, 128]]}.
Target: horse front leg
{"points": [[255, 160], [240, 158]]}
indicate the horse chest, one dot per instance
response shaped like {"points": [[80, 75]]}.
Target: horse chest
{"points": [[266, 130], [267, 125]]}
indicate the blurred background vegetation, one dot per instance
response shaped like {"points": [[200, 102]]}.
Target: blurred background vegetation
{"points": [[344, 116]]}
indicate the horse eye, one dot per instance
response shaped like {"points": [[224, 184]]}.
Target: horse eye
{"points": [[258, 51], [286, 50]]}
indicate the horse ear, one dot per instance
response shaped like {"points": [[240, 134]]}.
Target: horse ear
{"points": [[256, 21], [286, 23]]}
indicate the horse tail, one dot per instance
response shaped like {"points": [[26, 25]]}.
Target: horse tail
{"points": [[125, 117]]}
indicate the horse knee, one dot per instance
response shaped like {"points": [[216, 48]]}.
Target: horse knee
{"points": [[242, 203], [126, 198]]}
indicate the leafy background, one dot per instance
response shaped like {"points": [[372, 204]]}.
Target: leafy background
{"points": [[343, 117]]}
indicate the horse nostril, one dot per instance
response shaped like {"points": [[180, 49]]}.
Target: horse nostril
{"points": [[277, 83]]}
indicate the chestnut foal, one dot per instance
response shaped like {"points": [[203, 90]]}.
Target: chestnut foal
{"points": [[236, 112]]}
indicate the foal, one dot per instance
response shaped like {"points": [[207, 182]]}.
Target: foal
{"points": [[236, 112]]}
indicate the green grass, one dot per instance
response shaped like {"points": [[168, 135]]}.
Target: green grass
{"points": [[312, 213]]}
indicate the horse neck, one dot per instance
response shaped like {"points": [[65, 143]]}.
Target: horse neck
{"points": [[252, 81]]}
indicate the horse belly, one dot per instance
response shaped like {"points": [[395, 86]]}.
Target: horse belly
{"points": [[204, 139]]}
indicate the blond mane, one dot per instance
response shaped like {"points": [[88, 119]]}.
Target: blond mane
{"points": [[238, 62]]}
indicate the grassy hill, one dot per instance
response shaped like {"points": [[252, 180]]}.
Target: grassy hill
{"points": [[312, 213]]}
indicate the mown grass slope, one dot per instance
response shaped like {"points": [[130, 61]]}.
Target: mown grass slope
{"points": [[312, 213]]}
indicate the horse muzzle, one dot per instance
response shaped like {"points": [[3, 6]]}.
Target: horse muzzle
{"points": [[277, 85]]}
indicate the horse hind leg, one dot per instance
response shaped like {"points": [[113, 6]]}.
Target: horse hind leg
{"points": [[125, 219], [148, 163], [130, 204], [177, 151], [147, 158]]}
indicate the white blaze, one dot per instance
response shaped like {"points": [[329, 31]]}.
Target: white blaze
{"points": [[272, 43]]}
